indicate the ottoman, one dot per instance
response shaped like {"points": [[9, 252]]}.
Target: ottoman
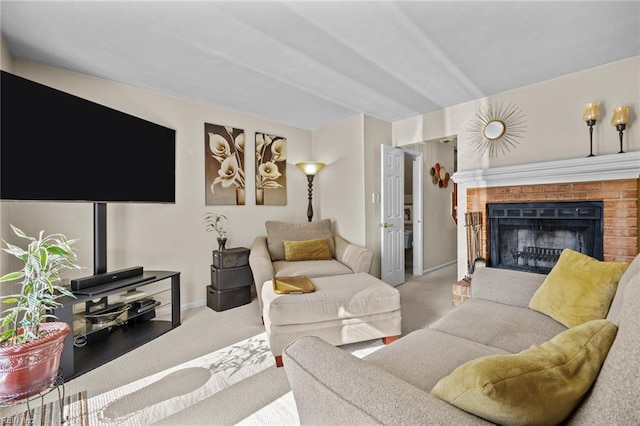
{"points": [[343, 309]]}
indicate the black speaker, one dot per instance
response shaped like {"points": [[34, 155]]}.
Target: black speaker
{"points": [[107, 277]]}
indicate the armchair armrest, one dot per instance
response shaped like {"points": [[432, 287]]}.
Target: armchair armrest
{"points": [[505, 286], [261, 265], [331, 386], [357, 258]]}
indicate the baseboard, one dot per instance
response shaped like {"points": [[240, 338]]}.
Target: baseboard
{"points": [[443, 265]]}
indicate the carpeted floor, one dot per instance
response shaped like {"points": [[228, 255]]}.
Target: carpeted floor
{"points": [[216, 368]]}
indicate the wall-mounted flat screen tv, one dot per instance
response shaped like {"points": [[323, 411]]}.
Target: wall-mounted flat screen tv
{"points": [[55, 146]]}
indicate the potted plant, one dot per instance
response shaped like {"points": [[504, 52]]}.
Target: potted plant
{"points": [[30, 344], [213, 223]]}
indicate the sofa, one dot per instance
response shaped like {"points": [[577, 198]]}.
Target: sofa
{"points": [[494, 359], [268, 254]]}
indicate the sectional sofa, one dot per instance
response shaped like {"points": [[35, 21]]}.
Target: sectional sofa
{"points": [[521, 350]]}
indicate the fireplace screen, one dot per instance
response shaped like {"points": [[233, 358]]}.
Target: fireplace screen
{"points": [[531, 236]]}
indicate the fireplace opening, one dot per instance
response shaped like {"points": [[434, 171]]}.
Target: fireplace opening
{"points": [[531, 236]]}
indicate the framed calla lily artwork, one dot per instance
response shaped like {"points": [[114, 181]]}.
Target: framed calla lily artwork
{"points": [[271, 170], [224, 165]]}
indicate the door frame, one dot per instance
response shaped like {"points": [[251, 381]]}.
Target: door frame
{"points": [[417, 219]]}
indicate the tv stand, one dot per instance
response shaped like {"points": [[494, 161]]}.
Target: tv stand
{"points": [[90, 345]]}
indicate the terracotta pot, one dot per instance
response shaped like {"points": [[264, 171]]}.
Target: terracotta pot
{"points": [[31, 367]]}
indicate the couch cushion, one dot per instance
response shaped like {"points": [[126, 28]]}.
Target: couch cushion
{"points": [[425, 356], [317, 249], [310, 268], [615, 396], [632, 271], [540, 385], [347, 296], [278, 232], [578, 289], [494, 324]]}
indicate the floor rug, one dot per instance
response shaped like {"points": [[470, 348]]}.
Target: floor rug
{"points": [[158, 396], [283, 412], [155, 397], [75, 413]]}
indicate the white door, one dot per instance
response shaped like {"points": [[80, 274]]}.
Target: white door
{"points": [[392, 215]]}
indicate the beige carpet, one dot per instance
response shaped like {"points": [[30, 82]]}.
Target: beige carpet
{"points": [[162, 397], [216, 369]]}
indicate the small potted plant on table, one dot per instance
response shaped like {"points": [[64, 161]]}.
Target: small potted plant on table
{"points": [[213, 223], [31, 347]]}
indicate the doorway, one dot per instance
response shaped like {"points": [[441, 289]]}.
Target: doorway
{"points": [[413, 216], [429, 202]]}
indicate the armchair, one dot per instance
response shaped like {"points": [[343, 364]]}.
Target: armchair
{"points": [[267, 257]]}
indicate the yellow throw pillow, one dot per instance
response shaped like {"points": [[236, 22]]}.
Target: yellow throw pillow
{"points": [[317, 249], [540, 385], [579, 288]]}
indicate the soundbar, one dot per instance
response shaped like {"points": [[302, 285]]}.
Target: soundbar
{"points": [[107, 277]]}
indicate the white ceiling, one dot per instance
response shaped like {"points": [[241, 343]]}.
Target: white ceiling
{"points": [[310, 64]]}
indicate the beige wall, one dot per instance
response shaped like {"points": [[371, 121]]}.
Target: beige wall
{"points": [[555, 129], [553, 110], [439, 229], [351, 149], [376, 132], [165, 236], [5, 57], [340, 196], [5, 259]]}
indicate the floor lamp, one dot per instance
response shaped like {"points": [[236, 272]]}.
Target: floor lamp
{"points": [[310, 168]]}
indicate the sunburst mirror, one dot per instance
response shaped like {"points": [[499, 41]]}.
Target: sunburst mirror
{"points": [[497, 129]]}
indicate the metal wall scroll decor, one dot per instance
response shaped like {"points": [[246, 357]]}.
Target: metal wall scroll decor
{"points": [[439, 176], [497, 128]]}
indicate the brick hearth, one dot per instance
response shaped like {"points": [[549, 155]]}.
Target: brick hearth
{"points": [[620, 197]]}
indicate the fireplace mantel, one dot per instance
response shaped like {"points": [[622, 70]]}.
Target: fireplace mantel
{"points": [[597, 168]]}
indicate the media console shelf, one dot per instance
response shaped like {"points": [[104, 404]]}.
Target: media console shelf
{"points": [[93, 343]]}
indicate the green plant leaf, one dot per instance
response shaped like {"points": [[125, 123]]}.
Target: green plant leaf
{"points": [[6, 335], [12, 276], [44, 259]]}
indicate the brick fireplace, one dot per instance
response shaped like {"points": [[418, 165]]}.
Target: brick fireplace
{"points": [[620, 200], [610, 179]]}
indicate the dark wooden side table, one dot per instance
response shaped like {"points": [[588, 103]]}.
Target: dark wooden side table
{"points": [[231, 279]]}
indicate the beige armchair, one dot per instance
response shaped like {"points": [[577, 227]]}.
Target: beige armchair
{"points": [[267, 257]]}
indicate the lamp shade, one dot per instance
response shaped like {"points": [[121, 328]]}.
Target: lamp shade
{"points": [[310, 168], [620, 115], [591, 111]]}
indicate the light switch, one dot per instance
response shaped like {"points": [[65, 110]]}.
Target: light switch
{"points": [[375, 197]]}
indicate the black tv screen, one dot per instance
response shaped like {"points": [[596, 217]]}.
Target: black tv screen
{"points": [[55, 146]]}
